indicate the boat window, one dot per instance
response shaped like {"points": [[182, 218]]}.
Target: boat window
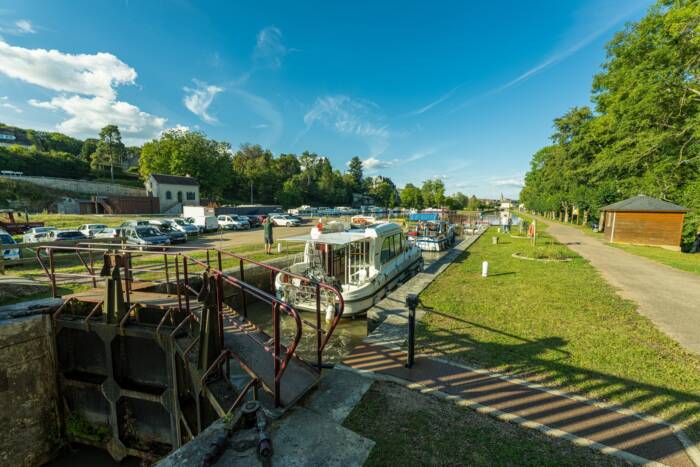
{"points": [[386, 249]]}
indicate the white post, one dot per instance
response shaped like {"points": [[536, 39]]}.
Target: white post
{"points": [[485, 269], [279, 247]]}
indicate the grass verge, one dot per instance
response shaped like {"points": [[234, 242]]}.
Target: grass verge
{"points": [[416, 429], [689, 262], [562, 324]]}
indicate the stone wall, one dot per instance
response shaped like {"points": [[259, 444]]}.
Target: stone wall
{"points": [[28, 391], [82, 186]]}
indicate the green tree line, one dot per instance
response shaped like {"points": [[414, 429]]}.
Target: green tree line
{"points": [[642, 135]]}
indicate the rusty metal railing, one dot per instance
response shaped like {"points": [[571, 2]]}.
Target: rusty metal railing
{"points": [[175, 258]]}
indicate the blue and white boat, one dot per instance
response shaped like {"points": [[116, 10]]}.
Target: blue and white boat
{"points": [[429, 233]]}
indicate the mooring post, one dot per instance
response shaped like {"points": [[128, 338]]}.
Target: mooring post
{"points": [[411, 303]]}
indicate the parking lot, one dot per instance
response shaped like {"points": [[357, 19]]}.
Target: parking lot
{"points": [[234, 238]]}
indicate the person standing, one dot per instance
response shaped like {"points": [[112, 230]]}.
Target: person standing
{"points": [[267, 231]]}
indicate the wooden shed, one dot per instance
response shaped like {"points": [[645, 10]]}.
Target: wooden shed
{"points": [[643, 220]]}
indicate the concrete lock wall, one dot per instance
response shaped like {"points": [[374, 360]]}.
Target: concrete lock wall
{"points": [[28, 392], [82, 186]]}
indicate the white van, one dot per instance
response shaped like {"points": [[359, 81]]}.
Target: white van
{"points": [[205, 223]]}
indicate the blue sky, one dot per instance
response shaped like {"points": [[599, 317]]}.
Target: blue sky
{"points": [[464, 91]]}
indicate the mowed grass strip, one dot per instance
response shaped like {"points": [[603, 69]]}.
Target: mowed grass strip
{"points": [[559, 323], [410, 428], [689, 262]]}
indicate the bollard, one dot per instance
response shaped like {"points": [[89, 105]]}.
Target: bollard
{"points": [[485, 269], [279, 247], [494, 240], [411, 303]]}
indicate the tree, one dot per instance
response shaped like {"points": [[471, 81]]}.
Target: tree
{"points": [[355, 170], [88, 149], [110, 150], [179, 152], [411, 197]]}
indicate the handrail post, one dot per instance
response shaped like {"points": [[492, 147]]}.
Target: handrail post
{"points": [[92, 269], [187, 283], [167, 274], [52, 266], [276, 351], [243, 297], [127, 273], [319, 351], [220, 307], [208, 263], [177, 284]]}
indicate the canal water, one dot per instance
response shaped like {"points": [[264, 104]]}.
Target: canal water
{"points": [[346, 336], [494, 218]]}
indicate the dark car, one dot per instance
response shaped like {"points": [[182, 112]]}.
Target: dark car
{"points": [[167, 228], [59, 235], [145, 237], [254, 221]]}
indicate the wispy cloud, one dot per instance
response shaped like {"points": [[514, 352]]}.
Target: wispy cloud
{"points": [[6, 104], [265, 110], [557, 57], [349, 117], [25, 26], [198, 99], [373, 164], [513, 182], [436, 102], [269, 49]]}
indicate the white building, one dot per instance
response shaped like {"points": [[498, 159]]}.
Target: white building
{"points": [[173, 191]]}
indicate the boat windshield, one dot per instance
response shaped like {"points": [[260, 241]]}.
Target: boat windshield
{"points": [[342, 263]]}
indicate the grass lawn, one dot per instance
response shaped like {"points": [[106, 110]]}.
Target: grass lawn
{"points": [[416, 429], [562, 324], [676, 259]]}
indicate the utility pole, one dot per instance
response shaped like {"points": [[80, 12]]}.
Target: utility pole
{"points": [[251, 192]]}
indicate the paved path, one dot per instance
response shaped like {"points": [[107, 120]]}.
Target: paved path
{"points": [[670, 298]]}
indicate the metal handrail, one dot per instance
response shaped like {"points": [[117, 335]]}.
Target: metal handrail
{"points": [[280, 362]]}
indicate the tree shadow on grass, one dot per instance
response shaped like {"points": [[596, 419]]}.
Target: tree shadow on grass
{"points": [[546, 361]]}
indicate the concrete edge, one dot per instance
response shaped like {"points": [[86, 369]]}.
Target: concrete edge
{"points": [[506, 417]]}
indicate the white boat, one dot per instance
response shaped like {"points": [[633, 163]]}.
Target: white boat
{"points": [[363, 264], [429, 233]]}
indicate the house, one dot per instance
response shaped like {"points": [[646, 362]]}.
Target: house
{"points": [[643, 220], [173, 191]]}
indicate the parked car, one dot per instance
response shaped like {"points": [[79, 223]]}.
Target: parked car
{"points": [[204, 223], [232, 222], [284, 220], [36, 234], [166, 228], [254, 221], [6, 240], [182, 226], [295, 218], [61, 235], [89, 230], [108, 233], [145, 236], [141, 222]]}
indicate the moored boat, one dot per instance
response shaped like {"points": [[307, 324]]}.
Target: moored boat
{"points": [[429, 233], [363, 264]]}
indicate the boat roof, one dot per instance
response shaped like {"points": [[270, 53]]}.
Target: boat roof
{"points": [[425, 216], [331, 238], [349, 236]]}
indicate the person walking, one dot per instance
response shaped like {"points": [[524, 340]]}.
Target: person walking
{"points": [[267, 231]]}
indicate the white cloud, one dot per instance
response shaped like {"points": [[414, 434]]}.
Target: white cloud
{"points": [[89, 115], [5, 103], [269, 49], [350, 117], [199, 99], [94, 75], [261, 126], [514, 182], [438, 101], [372, 164], [25, 26]]}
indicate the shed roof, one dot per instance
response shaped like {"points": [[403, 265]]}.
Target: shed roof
{"points": [[642, 203], [174, 179]]}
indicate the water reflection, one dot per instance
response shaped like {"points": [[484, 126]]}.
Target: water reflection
{"points": [[346, 336]]}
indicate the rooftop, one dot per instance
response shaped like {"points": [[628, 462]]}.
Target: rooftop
{"points": [[642, 203], [175, 179]]}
